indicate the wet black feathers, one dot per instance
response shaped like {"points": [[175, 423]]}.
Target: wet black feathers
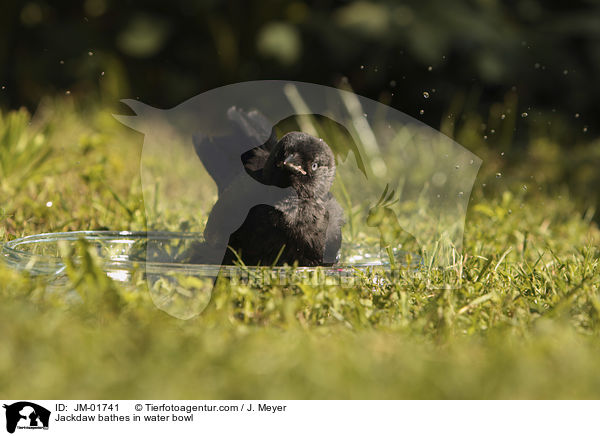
{"points": [[251, 138], [274, 203]]}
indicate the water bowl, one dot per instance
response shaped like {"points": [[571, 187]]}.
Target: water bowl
{"points": [[181, 289]]}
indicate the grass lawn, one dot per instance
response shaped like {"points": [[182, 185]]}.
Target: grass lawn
{"points": [[524, 323]]}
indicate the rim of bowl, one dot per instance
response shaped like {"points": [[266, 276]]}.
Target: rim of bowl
{"points": [[10, 249]]}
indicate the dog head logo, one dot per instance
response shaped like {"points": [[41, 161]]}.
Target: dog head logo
{"points": [[26, 415], [402, 184]]}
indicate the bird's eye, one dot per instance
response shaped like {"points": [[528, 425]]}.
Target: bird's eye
{"points": [[315, 166]]}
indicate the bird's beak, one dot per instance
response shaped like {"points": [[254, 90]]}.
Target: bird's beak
{"points": [[290, 163]]}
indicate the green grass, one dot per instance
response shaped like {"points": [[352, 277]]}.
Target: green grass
{"points": [[523, 324]]}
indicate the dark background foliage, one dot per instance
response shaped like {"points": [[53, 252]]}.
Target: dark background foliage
{"points": [[165, 52], [515, 82]]}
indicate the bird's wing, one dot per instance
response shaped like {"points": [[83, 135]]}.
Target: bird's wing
{"points": [[255, 126], [260, 238], [232, 206], [254, 161], [247, 146], [333, 235]]}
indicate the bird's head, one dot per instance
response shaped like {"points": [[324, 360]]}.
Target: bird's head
{"points": [[303, 162]]}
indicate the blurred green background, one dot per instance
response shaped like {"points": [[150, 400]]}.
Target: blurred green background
{"points": [[512, 81], [167, 52]]}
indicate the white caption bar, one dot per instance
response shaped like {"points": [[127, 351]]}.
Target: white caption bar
{"points": [[41, 417]]}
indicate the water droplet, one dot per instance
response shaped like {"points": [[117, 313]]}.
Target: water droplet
{"points": [[493, 131], [102, 73], [584, 129], [439, 179], [421, 111], [49, 204], [484, 185], [524, 115], [457, 166], [498, 175], [68, 92], [62, 62], [429, 68], [577, 115], [90, 53], [502, 154], [460, 194], [3, 87], [362, 67], [524, 187], [484, 136], [425, 94], [502, 116]]}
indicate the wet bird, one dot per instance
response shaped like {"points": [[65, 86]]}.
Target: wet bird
{"points": [[278, 208]]}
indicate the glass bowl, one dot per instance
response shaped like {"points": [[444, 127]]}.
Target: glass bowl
{"points": [[122, 252], [181, 289]]}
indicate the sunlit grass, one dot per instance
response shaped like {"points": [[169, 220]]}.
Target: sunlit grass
{"points": [[523, 324]]}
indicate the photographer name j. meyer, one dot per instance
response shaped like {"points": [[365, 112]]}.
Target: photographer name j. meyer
{"points": [[261, 407], [267, 408]]}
